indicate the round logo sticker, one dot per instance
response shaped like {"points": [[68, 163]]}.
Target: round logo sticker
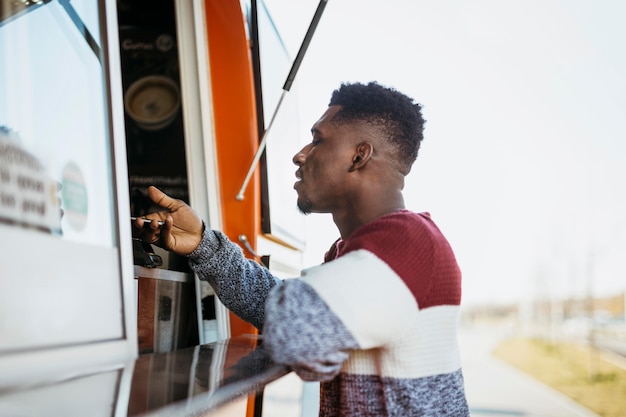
{"points": [[74, 195]]}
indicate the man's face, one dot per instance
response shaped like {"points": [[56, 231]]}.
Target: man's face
{"points": [[324, 164]]}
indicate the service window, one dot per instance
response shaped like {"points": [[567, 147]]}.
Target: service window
{"points": [[281, 218], [63, 246]]}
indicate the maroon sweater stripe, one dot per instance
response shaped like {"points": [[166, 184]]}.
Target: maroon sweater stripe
{"points": [[414, 247]]}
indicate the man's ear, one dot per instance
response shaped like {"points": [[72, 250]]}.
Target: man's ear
{"points": [[362, 155]]}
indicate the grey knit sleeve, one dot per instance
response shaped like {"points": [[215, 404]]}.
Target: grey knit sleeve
{"points": [[241, 284], [301, 331]]}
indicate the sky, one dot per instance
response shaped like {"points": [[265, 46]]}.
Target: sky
{"points": [[523, 165]]}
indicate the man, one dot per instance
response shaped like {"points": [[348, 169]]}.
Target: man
{"points": [[376, 323]]}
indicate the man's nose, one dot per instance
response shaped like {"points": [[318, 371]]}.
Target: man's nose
{"points": [[298, 158]]}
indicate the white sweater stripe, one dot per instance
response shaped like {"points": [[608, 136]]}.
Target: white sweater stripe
{"points": [[430, 348], [366, 294], [413, 343]]}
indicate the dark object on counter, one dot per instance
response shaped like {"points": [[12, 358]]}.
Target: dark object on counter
{"points": [[143, 254]]}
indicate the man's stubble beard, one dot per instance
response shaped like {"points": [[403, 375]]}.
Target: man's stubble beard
{"points": [[305, 206]]}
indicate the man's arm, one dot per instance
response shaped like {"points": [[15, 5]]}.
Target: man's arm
{"points": [[303, 332], [241, 284], [354, 302]]}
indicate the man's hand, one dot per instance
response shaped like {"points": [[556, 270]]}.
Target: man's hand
{"points": [[182, 229]]}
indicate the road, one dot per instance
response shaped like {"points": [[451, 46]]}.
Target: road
{"points": [[495, 389]]}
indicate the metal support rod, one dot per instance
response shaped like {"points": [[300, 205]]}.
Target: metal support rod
{"points": [[286, 87], [259, 151]]}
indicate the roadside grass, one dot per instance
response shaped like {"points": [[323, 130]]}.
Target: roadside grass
{"points": [[577, 371]]}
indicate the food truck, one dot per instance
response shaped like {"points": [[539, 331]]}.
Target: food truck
{"points": [[100, 100]]}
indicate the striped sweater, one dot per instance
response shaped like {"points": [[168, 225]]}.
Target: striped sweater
{"points": [[376, 323]]}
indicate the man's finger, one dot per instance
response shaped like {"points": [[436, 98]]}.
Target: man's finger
{"points": [[166, 231], [161, 198]]}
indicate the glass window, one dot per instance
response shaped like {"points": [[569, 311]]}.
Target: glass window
{"points": [[59, 255], [54, 131], [285, 137]]}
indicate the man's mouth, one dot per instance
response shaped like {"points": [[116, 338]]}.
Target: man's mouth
{"points": [[299, 179]]}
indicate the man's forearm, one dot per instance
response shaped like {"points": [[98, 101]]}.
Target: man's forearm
{"points": [[241, 284]]}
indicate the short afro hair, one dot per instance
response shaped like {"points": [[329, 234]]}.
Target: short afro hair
{"points": [[397, 116]]}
